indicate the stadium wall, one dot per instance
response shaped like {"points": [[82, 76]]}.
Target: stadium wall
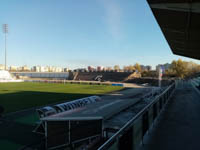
{"points": [[60, 75]]}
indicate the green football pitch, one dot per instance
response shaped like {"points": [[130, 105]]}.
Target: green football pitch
{"points": [[19, 96]]}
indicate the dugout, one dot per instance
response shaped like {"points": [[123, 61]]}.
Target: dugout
{"points": [[60, 133], [68, 128], [81, 124]]}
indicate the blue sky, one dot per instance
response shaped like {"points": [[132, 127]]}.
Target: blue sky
{"points": [[78, 33]]}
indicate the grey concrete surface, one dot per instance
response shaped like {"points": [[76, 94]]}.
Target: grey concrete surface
{"points": [[110, 105], [178, 127]]}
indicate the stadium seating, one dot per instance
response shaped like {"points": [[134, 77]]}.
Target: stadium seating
{"points": [[106, 76]]}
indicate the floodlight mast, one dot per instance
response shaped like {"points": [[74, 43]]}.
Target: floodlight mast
{"points": [[5, 31]]}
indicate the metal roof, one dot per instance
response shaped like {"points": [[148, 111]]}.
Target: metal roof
{"points": [[103, 109], [179, 21]]}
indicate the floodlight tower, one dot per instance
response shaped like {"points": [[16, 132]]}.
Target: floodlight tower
{"points": [[5, 31]]}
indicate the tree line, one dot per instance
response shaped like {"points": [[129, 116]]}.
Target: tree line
{"points": [[129, 68], [178, 68], [182, 69]]}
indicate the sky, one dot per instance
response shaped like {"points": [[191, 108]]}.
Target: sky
{"points": [[78, 33]]}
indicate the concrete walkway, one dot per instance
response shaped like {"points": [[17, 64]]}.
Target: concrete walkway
{"points": [[178, 127]]}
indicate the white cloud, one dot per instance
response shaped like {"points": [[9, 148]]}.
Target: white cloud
{"points": [[113, 15]]}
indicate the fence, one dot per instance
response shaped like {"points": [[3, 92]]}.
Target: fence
{"points": [[196, 84], [132, 133], [76, 82], [58, 75]]}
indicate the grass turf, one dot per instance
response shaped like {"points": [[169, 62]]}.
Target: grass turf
{"points": [[29, 119], [9, 145], [18, 96]]}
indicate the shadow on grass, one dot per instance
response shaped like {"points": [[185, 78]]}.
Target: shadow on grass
{"points": [[16, 128], [28, 99], [15, 135]]}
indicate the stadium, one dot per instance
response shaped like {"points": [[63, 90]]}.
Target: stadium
{"points": [[63, 113], [107, 110], [5, 76]]}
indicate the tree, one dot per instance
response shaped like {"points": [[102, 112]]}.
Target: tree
{"points": [[193, 68], [179, 67], [182, 69], [116, 68], [129, 68], [138, 67]]}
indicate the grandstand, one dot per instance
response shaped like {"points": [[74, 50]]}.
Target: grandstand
{"points": [[105, 76], [5, 76]]}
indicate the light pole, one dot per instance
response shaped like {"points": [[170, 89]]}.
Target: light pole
{"points": [[5, 31]]}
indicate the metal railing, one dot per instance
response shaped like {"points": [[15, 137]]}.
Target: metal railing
{"points": [[75, 82], [132, 133]]}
